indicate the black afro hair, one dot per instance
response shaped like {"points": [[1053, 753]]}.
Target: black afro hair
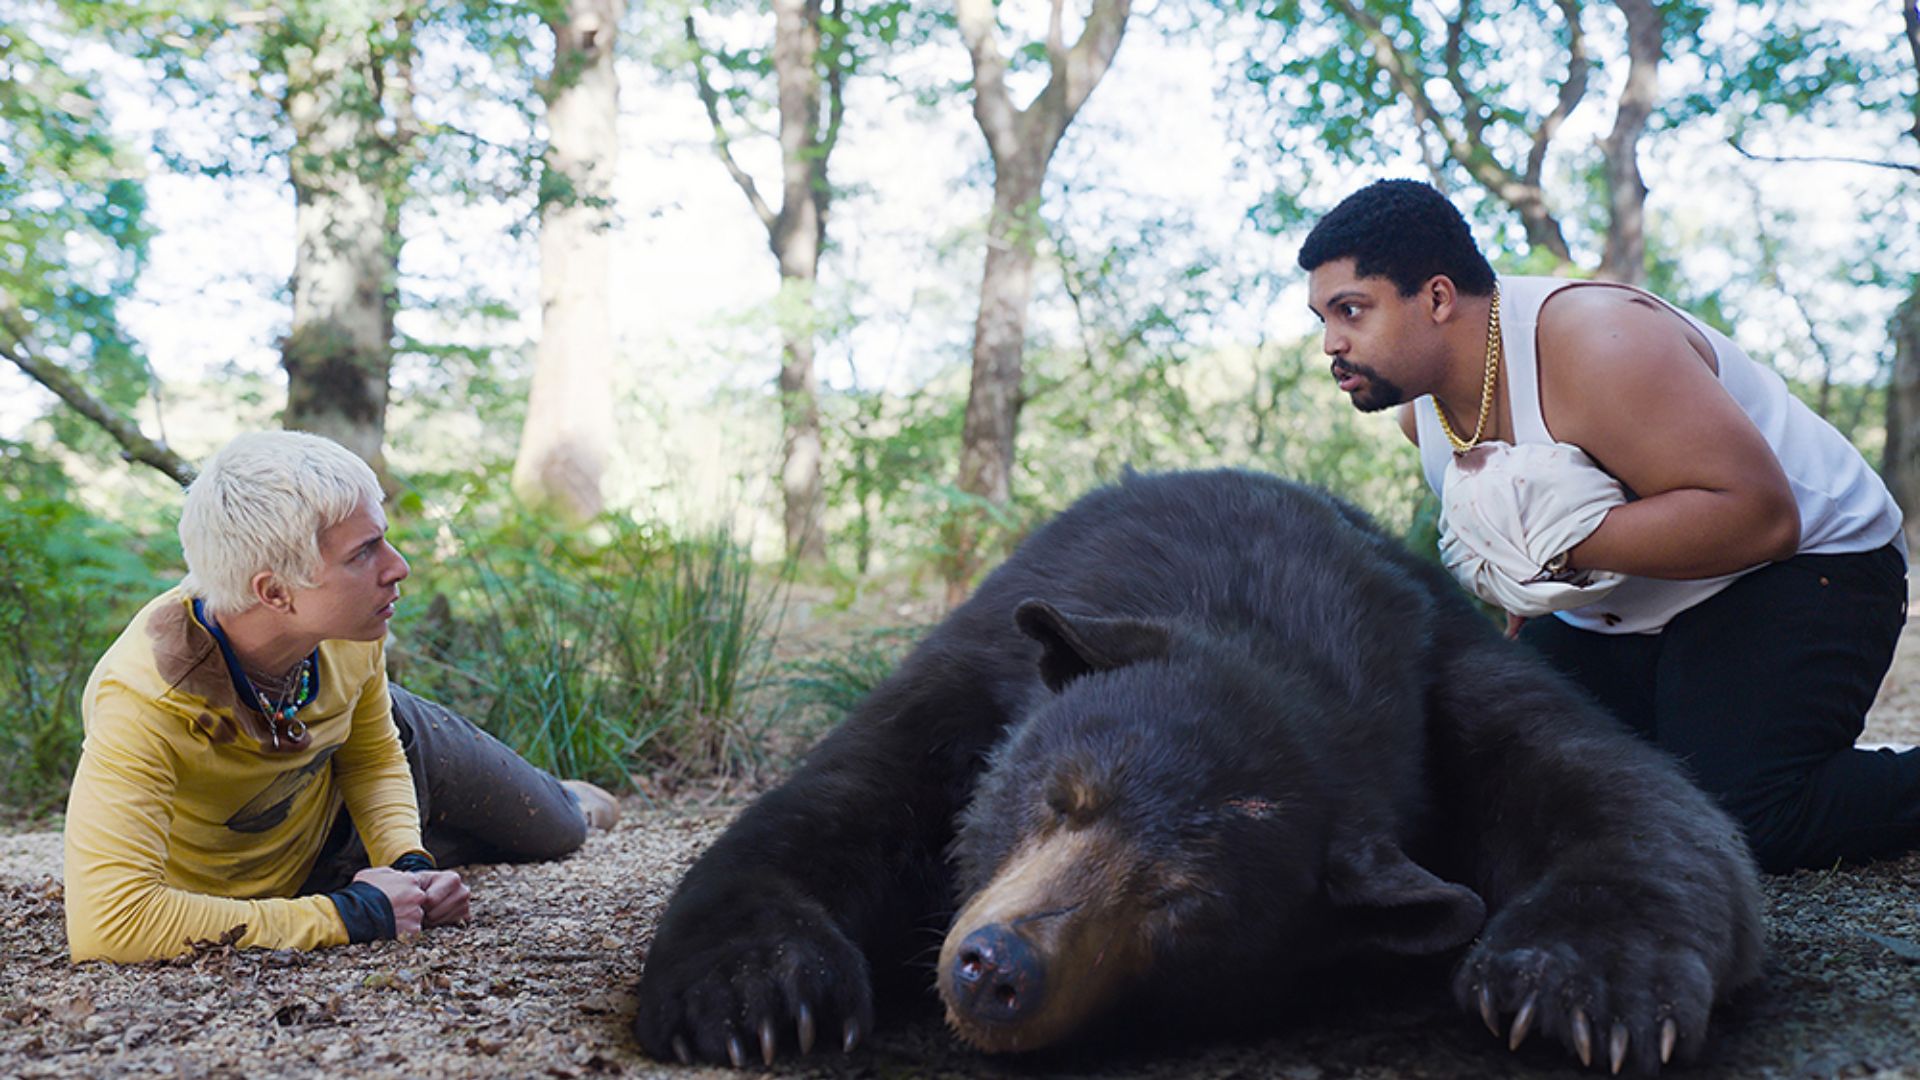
{"points": [[1402, 230]]}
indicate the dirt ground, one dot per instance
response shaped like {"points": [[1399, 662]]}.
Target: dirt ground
{"points": [[540, 984]]}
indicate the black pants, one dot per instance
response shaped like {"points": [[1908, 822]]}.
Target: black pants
{"points": [[1761, 691], [479, 801]]}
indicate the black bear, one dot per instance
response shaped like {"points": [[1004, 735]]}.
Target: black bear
{"points": [[1201, 734]]}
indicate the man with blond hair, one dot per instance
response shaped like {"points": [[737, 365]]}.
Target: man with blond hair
{"points": [[245, 755]]}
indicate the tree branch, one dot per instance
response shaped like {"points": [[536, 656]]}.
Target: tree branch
{"points": [[1090, 57], [994, 110], [1788, 159], [1625, 255], [1057, 42], [836, 78], [1543, 230], [1571, 91], [722, 143], [1399, 69], [134, 446], [1076, 70], [834, 57], [1472, 109], [1910, 14]]}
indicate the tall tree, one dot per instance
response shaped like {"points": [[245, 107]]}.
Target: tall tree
{"points": [[809, 68], [1021, 142], [1901, 465], [344, 63], [1624, 256], [1799, 73], [569, 427], [335, 76]]}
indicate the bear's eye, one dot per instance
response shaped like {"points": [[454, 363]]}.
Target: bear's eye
{"points": [[1175, 898]]}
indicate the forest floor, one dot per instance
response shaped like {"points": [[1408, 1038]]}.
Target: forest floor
{"points": [[540, 983]]}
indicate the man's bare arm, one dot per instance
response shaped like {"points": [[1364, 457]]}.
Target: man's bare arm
{"points": [[1624, 378]]}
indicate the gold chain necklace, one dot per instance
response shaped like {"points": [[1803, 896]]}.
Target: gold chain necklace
{"points": [[1460, 445]]}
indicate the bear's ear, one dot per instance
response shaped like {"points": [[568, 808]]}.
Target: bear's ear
{"points": [[1076, 645], [1387, 902]]}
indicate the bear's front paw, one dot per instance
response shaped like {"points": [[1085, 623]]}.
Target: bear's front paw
{"points": [[756, 984], [1620, 996]]}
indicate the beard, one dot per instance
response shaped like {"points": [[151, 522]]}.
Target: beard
{"points": [[1376, 393]]}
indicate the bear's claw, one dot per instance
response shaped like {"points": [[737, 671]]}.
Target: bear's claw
{"points": [[736, 1003], [1522, 1022], [1613, 1013], [1582, 1032]]}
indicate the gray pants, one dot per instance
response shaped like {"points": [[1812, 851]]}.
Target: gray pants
{"points": [[479, 801]]}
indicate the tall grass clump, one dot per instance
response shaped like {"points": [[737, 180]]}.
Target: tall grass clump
{"points": [[597, 656], [821, 690]]}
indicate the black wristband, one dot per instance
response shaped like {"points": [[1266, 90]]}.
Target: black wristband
{"points": [[413, 861], [365, 910]]}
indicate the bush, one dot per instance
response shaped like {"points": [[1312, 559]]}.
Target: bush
{"points": [[595, 656], [69, 583], [821, 690]]}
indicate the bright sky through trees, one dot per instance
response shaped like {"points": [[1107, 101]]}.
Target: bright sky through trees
{"points": [[691, 267]]}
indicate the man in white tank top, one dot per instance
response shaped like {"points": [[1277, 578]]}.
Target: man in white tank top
{"points": [[1764, 574]]}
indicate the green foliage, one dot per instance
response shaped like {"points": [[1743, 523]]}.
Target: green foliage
{"points": [[822, 689], [1133, 389], [1796, 62], [888, 468], [69, 582], [594, 656], [73, 235]]}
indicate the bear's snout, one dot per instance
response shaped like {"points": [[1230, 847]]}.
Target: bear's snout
{"points": [[1047, 945], [997, 977]]}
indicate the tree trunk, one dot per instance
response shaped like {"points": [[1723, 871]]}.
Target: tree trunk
{"points": [[1901, 466], [568, 433], [800, 477], [1021, 142], [795, 236], [1625, 256], [999, 338], [339, 349]]}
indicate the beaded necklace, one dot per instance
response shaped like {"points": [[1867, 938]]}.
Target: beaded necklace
{"points": [[295, 694]]}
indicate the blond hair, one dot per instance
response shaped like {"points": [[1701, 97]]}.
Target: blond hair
{"points": [[261, 503]]}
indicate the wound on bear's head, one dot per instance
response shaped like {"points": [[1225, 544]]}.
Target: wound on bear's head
{"points": [[1077, 799], [1254, 807]]}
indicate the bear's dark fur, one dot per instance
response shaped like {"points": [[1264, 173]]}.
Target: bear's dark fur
{"points": [[1201, 734]]}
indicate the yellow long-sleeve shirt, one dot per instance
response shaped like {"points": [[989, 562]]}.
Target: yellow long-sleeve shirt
{"points": [[185, 820]]}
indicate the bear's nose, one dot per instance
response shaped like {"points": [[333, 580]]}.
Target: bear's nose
{"points": [[997, 977]]}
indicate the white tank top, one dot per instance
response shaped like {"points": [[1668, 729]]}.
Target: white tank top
{"points": [[1844, 505]]}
